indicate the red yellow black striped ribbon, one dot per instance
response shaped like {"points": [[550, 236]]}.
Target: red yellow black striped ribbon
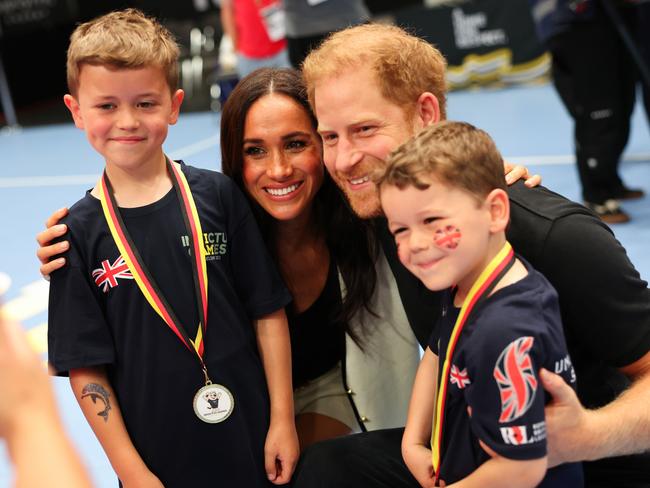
{"points": [[481, 289], [141, 274]]}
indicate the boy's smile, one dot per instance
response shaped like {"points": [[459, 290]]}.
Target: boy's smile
{"points": [[125, 113]]}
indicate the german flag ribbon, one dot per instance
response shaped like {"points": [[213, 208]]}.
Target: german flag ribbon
{"points": [[141, 274], [480, 290]]}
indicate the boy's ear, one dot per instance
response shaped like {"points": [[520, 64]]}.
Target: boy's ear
{"points": [[177, 100], [498, 205], [427, 110], [73, 106]]}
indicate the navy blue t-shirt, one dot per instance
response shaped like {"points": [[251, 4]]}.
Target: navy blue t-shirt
{"points": [[495, 371], [99, 317]]}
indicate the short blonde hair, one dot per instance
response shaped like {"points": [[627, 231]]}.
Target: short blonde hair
{"points": [[122, 39], [405, 66], [455, 153]]}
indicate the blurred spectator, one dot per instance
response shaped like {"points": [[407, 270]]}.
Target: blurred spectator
{"points": [[595, 76], [310, 21], [257, 31], [39, 449]]}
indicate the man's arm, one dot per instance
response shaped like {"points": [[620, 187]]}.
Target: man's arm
{"points": [[617, 429], [605, 310], [99, 405], [281, 449]]}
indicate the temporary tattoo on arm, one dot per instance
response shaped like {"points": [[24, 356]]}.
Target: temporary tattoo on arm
{"points": [[447, 237], [98, 392]]}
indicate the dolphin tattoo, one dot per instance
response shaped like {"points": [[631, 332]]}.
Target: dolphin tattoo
{"points": [[97, 392]]}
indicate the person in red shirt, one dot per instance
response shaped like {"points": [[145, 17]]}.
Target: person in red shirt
{"points": [[256, 28]]}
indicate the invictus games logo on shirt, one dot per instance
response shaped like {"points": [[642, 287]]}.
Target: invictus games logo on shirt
{"points": [[216, 244]]}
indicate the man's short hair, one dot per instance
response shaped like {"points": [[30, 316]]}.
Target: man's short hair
{"points": [[405, 66], [122, 39], [455, 153]]}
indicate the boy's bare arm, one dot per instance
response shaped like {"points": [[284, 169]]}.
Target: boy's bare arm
{"points": [[519, 474], [281, 449], [97, 399], [416, 442]]}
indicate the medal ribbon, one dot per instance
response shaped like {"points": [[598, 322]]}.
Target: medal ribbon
{"points": [[484, 284], [141, 274]]}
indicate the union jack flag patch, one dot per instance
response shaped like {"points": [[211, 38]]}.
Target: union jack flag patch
{"points": [[106, 277], [458, 377]]}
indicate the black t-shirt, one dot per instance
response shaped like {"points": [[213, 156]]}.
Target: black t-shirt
{"points": [[98, 316], [495, 371], [604, 303], [318, 333]]}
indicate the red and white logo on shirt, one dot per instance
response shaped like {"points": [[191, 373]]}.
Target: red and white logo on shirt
{"points": [[106, 277], [516, 379], [459, 377]]}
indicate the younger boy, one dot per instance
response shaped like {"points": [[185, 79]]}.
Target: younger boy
{"points": [[166, 276], [444, 197]]}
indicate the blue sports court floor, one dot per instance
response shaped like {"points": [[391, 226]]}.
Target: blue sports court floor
{"points": [[44, 168]]}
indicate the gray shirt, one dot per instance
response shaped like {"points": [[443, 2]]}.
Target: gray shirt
{"points": [[305, 20]]}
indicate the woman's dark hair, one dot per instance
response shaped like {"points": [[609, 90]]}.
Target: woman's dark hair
{"points": [[351, 240]]}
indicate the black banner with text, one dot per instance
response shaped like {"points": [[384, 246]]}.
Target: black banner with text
{"points": [[484, 41]]}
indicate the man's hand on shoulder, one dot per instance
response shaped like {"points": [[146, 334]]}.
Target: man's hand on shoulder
{"points": [[517, 172]]}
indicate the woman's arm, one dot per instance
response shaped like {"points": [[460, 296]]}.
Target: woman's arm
{"points": [[281, 449], [97, 399]]}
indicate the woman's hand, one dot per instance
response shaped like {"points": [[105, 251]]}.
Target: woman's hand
{"points": [[46, 251]]}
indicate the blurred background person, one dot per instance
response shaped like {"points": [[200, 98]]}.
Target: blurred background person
{"points": [[257, 31], [308, 22], [40, 452], [596, 77]]}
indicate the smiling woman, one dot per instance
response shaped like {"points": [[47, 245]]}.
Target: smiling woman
{"points": [[325, 254], [282, 157]]}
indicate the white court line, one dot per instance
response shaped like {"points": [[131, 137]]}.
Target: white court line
{"points": [[86, 179], [566, 159], [197, 147], [36, 181]]}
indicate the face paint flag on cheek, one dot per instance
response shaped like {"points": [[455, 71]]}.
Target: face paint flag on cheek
{"points": [[447, 237]]}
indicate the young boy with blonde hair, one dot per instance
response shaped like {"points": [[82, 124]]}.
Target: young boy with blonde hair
{"points": [[444, 197], [167, 286]]}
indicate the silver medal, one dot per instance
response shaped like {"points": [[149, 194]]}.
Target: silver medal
{"points": [[213, 403]]}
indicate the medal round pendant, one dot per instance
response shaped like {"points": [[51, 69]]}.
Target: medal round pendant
{"points": [[213, 403]]}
